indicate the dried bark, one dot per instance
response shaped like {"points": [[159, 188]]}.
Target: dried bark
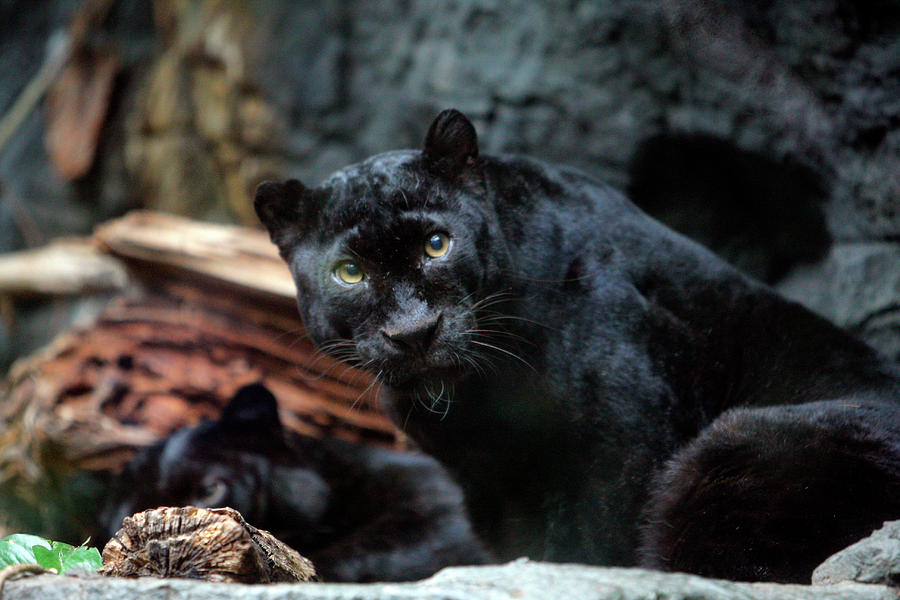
{"points": [[214, 544], [77, 105]]}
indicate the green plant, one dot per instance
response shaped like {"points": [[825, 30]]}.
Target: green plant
{"points": [[22, 548]]}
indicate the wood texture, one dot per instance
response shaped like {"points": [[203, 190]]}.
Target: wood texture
{"points": [[236, 256], [62, 268], [214, 544]]}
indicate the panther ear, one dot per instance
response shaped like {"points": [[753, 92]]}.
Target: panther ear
{"points": [[284, 208], [253, 407], [451, 144]]}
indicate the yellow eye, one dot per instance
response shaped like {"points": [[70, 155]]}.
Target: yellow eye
{"points": [[349, 272], [437, 245]]}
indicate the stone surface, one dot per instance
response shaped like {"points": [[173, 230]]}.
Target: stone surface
{"points": [[519, 580], [857, 286], [588, 83], [875, 559]]}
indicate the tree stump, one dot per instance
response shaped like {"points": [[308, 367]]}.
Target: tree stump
{"points": [[214, 544]]}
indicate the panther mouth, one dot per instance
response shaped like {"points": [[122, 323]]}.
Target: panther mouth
{"points": [[421, 371]]}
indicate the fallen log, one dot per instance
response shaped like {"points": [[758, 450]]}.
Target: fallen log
{"points": [[207, 309], [63, 268]]}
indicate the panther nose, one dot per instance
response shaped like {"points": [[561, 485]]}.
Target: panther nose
{"points": [[417, 334]]}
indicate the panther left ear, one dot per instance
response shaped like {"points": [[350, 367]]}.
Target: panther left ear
{"points": [[253, 407], [451, 144], [284, 208]]}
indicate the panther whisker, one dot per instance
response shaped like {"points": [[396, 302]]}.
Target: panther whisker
{"points": [[501, 316], [447, 402], [489, 332], [507, 352], [436, 398], [462, 300], [483, 357], [477, 366], [491, 300], [343, 357], [421, 403], [365, 391]]}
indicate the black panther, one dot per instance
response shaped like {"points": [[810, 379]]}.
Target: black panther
{"points": [[359, 513], [604, 389]]}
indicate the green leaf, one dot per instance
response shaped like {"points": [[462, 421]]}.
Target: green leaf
{"points": [[17, 548], [24, 548], [64, 557], [82, 557], [47, 558]]}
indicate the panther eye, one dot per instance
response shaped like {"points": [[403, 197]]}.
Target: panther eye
{"points": [[437, 245], [349, 272], [213, 493]]}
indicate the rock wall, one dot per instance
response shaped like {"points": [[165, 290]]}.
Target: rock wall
{"points": [[766, 129]]}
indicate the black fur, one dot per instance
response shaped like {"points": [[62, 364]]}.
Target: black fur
{"points": [[584, 362], [778, 477], [451, 144], [360, 514]]}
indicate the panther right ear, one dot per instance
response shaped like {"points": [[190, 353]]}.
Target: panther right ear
{"points": [[451, 144], [284, 208], [253, 408]]}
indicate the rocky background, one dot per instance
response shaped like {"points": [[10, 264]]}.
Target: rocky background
{"points": [[767, 129]]}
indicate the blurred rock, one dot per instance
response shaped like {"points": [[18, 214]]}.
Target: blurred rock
{"points": [[589, 84], [202, 136], [856, 286], [163, 103], [176, 174], [38, 202]]}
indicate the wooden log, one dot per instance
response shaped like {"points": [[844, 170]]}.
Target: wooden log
{"points": [[214, 544], [208, 309], [238, 256], [66, 267]]}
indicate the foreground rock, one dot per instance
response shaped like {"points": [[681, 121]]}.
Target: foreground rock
{"points": [[855, 286], [521, 580], [875, 559]]}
